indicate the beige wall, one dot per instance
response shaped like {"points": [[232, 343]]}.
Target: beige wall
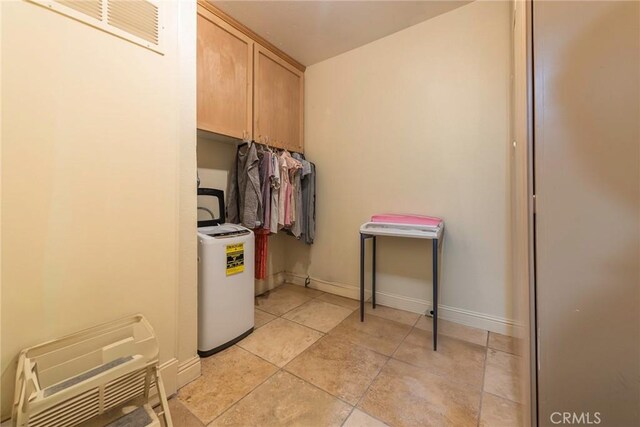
{"points": [[215, 160], [98, 155], [417, 122]]}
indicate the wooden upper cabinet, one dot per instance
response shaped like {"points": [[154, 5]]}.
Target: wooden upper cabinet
{"points": [[224, 77], [247, 88], [278, 101]]}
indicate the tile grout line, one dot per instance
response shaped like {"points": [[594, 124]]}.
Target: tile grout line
{"points": [[380, 371], [250, 391], [360, 345], [484, 375], [503, 398], [403, 340], [369, 387], [177, 397], [300, 305], [326, 391], [353, 408], [496, 351], [256, 355], [338, 305], [443, 376], [451, 337], [243, 397], [187, 409], [326, 302], [457, 383], [392, 320], [293, 374], [271, 363], [315, 386], [312, 328]]}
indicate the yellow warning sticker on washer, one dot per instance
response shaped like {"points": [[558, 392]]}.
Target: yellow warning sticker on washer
{"points": [[235, 259]]}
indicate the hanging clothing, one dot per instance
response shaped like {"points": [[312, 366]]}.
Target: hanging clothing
{"points": [[284, 188], [261, 250], [265, 186], [294, 178], [297, 213], [309, 202], [244, 205], [300, 218], [268, 192], [275, 193], [233, 198], [288, 168]]}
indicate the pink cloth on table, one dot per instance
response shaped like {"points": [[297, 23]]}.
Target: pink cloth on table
{"points": [[406, 219]]}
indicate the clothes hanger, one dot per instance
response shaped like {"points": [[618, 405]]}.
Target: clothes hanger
{"points": [[245, 136]]}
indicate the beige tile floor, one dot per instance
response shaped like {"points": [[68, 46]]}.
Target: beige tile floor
{"points": [[311, 362]]}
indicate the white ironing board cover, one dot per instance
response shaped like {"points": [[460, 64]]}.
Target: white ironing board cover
{"points": [[415, 231]]}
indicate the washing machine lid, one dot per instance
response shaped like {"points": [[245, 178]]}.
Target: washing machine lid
{"points": [[206, 204], [223, 231]]}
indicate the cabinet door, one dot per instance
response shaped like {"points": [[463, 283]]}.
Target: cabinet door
{"points": [[224, 77], [278, 107]]}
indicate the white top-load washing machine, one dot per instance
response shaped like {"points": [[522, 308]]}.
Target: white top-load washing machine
{"points": [[225, 282]]}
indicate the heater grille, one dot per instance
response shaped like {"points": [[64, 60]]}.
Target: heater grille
{"points": [[80, 408], [70, 412], [124, 389]]}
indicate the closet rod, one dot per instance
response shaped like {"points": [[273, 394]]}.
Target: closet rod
{"points": [[270, 146]]}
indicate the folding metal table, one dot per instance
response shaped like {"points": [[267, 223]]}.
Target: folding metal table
{"points": [[371, 230]]}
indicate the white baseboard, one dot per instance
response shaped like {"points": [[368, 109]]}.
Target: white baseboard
{"points": [[188, 371], [475, 319], [325, 286], [176, 375], [466, 317]]}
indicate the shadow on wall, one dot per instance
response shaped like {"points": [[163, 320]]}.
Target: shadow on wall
{"points": [[215, 160], [215, 154], [589, 238], [297, 255]]}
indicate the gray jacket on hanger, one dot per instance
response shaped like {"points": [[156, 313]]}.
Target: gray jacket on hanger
{"points": [[244, 204]]}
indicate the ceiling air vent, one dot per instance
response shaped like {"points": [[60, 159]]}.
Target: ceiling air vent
{"points": [[139, 21]]}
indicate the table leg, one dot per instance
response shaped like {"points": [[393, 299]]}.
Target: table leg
{"points": [[373, 275], [362, 277], [435, 294]]}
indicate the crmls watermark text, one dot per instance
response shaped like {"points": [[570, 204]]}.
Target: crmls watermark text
{"points": [[575, 418]]}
